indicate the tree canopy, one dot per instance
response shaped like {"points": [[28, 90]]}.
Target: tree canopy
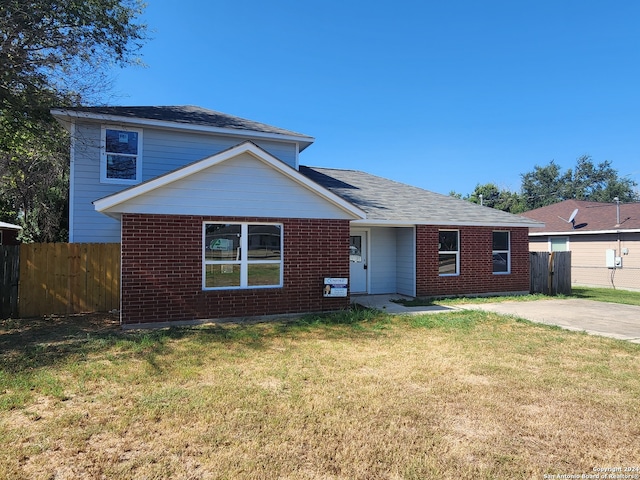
{"points": [[52, 53], [490, 195], [587, 181], [547, 184]]}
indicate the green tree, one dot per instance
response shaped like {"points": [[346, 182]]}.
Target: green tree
{"points": [[544, 186], [598, 183], [490, 195], [52, 53]]}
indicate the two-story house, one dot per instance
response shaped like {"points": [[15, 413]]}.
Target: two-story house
{"points": [[217, 218]]}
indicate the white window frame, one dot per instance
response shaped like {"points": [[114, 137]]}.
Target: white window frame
{"points": [[508, 252], [456, 253], [244, 262], [103, 156]]}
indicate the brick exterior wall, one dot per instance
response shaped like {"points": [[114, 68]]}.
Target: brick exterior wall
{"points": [[476, 263], [162, 270]]}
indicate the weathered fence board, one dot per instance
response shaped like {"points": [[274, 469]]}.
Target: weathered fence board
{"points": [[9, 271], [550, 272], [62, 278]]}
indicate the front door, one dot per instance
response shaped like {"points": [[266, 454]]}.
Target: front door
{"points": [[358, 262]]}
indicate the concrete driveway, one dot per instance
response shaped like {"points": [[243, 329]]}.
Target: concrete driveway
{"points": [[598, 318]]}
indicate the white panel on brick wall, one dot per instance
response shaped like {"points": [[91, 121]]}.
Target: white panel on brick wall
{"points": [[241, 186]]}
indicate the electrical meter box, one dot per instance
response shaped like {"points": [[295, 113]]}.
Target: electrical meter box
{"points": [[612, 260]]}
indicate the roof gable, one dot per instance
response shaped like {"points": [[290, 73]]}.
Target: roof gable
{"points": [[591, 217], [243, 180]]}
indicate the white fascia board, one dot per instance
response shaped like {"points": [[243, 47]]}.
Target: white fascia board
{"points": [[439, 223], [303, 140], [103, 204], [591, 232], [10, 226]]}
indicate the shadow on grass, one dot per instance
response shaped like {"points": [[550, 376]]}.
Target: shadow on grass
{"points": [[29, 344]]}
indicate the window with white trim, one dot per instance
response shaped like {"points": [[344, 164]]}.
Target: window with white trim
{"points": [[241, 255], [448, 252], [121, 155], [501, 252], [558, 244]]}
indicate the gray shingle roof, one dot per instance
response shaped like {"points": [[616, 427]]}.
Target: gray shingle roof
{"points": [[387, 201], [187, 114]]}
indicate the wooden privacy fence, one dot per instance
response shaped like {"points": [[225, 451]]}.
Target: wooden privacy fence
{"points": [[62, 278], [550, 272]]}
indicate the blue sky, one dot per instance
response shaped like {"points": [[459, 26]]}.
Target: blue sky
{"points": [[443, 95]]}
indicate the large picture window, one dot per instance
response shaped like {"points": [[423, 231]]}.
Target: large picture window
{"points": [[448, 252], [242, 255], [121, 158], [501, 252]]}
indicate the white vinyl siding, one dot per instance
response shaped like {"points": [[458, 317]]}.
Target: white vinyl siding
{"points": [[241, 186]]}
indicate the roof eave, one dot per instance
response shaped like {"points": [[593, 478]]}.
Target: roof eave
{"points": [[67, 117], [584, 232], [441, 223]]}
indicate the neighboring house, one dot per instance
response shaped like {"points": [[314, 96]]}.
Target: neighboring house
{"points": [[603, 238], [217, 218], [9, 233]]}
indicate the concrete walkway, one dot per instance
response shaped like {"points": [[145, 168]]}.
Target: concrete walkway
{"points": [[598, 318]]}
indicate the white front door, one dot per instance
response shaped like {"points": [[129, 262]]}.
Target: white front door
{"points": [[358, 262]]}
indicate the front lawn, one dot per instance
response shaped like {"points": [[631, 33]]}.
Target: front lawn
{"points": [[359, 395]]}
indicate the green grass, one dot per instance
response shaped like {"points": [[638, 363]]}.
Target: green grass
{"points": [[356, 394], [597, 294], [607, 295]]}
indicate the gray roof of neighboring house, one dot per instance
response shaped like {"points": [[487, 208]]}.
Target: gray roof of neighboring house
{"points": [[186, 115], [387, 201]]}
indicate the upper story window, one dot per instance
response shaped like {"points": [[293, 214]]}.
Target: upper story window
{"points": [[501, 252], [448, 252], [242, 255], [121, 156]]}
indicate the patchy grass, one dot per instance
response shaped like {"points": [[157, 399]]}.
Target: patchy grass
{"points": [[356, 395]]}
